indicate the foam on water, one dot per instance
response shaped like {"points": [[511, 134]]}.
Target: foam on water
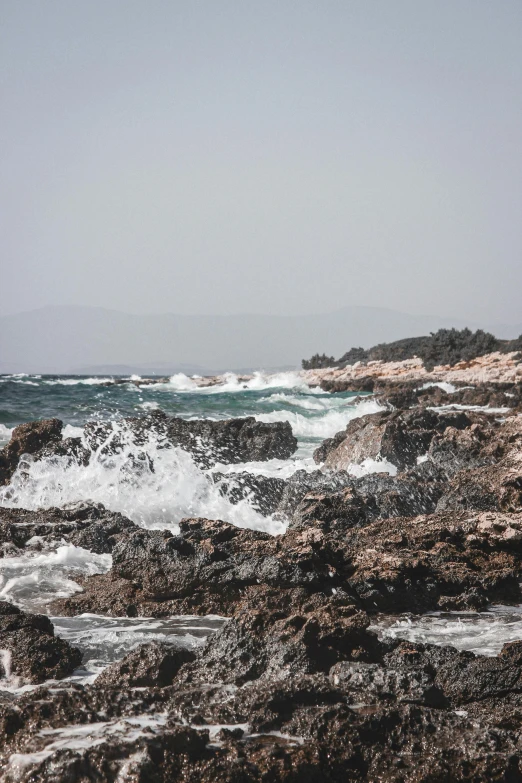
{"points": [[76, 381], [457, 407], [83, 737], [31, 581], [5, 434], [368, 466], [449, 388], [483, 633], [232, 383], [325, 426], [103, 640]]}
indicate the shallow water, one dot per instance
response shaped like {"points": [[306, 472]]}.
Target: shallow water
{"points": [[483, 633]]}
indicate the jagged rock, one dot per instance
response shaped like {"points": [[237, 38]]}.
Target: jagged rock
{"points": [[72, 448], [27, 439], [302, 482], [30, 649], [205, 569], [88, 525], [282, 634], [454, 560], [150, 665], [264, 492], [376, 496], [227, 441], [371, 683], [400, 437]]}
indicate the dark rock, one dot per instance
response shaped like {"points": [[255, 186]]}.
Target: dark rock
{"points": [[375, 496], [228, 441], [87, 525], [400, 437], [27, 439], [283, 633], [151, 665], [445, 561], [263, 492], [302, 482], [206, 569], [72, 448], [371, 683], [32, 652]]}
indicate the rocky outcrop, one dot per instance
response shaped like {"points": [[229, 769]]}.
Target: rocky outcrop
{"points": [[492, 368], [283, 633], [28, 439], [205, 569], [439, 561], [264, 492], [293, 685], [87, 525], [372, 497], [399, 437], [29, 650], [227, 441], [152, 665]]}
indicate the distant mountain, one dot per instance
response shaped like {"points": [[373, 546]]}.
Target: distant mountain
{"points": [[80, 339]]}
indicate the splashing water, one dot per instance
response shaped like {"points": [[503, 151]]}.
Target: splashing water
{"points": [[154, 486]]}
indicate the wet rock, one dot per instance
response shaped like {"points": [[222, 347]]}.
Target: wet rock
{"points": [[30, 650], [206, 569], [376, 496], [71, 448], [152, 665], [399, 437], [444, 561], [88, 525], [274, 634], [263, 492], [435, 561], [371, 683], [302, 482], [406, 394], [27, 439], [227, 441]]}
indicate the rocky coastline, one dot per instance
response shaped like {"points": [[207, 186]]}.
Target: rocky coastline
{"points": [[296, 684]]}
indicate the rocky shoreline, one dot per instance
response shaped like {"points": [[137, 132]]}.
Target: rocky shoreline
{"points": [[294, 685]]}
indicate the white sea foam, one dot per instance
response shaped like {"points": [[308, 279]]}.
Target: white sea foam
{"points": [[449, 388], [479, 408], [149, 406], [5, 434], [483, 633], [279, 468], [154, 486], [70, 431], [321, 427], [314, 403], [231, 383], [369, 465], [31, 581], [76, 381], [83, 737]]}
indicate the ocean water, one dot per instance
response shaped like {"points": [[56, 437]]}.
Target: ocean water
{"points": [[175, 487]]}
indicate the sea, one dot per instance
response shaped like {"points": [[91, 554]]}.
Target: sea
{"points": [[176, 487]]}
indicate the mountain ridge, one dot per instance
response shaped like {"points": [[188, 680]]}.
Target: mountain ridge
{"points": [[67, 338]]}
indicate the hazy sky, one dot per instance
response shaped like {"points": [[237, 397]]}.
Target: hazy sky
{"points": [[219, 156]]}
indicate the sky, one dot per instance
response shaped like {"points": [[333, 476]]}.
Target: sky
{"points": [[275, 156]]}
